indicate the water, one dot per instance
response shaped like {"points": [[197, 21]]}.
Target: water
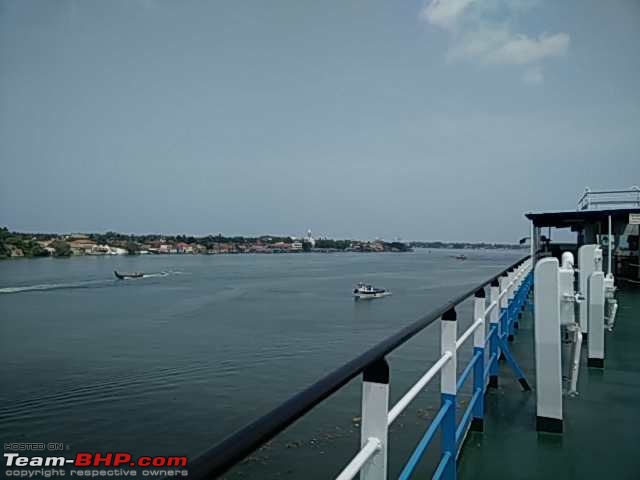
{"points": [[173, 362]]}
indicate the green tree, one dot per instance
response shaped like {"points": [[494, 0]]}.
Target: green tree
{"points": [[62, 248]]}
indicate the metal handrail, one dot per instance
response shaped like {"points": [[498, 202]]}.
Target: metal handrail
{"points": [[365, 453], [220, 458], [408, 397], [627, 196]]}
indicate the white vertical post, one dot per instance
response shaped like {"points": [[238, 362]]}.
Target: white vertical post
{"points": [[595, 300], [504, 303], [547, 346], [479, 338], [448, 389], [375, 408], [494, 321]]}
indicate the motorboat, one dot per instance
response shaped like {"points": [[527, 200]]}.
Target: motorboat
{"points": [[123, 276], [364, 291]]}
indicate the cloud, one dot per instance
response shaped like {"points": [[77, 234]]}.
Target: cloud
{"points": [[444, 13], [500, 46], [476, 35]]}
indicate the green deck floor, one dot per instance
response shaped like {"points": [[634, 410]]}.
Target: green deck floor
{"points": [[601, 438]]}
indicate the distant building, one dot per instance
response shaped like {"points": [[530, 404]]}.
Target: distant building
{"points": [[106, 250], [281, 246], [82, 246], [182, 247], [296, 246]]}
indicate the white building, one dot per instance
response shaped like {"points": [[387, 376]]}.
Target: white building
{"points": [[309, 239]]}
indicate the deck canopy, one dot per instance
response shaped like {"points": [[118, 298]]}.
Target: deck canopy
{"points": [[578, 219]]}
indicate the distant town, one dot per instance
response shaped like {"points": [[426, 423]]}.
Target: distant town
{"points": [[17, 244]]}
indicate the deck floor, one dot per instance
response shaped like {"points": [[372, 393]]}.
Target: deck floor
{"points": [[601, 438]]}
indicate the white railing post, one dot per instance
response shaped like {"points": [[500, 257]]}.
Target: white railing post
{"points": [[595, 300], [479, 337], [375, 408], [448, 390], [504, 303], [494, 322]]}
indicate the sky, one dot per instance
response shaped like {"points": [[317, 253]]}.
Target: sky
{"points": [[436, 120]]}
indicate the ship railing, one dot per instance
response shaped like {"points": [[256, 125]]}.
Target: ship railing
{"points": [[594, 199], [492, 326]]}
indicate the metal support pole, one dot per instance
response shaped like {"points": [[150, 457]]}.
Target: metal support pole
{"points": [[477, 423], [448, 386], [494, 322], [375, 407], [609, 248]]}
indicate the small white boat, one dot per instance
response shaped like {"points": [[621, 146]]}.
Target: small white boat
{"points": [[363, 291]]}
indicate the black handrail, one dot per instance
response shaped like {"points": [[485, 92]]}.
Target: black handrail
{"points": [[238, 445]]}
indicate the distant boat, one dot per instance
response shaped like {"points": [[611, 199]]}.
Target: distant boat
{"points": [[363, 291], [123, 276], [460, 257]]}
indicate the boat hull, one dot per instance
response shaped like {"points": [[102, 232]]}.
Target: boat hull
{"points": [[369, 296], [124, 276]]}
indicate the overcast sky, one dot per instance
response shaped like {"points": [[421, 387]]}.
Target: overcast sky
{"points": [[425, 120]]}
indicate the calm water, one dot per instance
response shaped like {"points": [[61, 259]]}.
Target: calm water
{"points": [[172, 363]]}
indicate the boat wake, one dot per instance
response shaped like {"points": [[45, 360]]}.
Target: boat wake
{"points": [[44, 287], [156, 275]]}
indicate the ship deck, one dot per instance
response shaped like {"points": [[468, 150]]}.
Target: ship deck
{"points": [[601, 436]]}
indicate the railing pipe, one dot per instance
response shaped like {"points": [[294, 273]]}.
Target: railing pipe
{"points": [[466, 418], [408, 397], [424, 442], [463, 338], [462, 378], [490, 308], [354, 467]]}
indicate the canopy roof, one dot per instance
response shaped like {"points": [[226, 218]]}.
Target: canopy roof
{"points": [[577, 219]]}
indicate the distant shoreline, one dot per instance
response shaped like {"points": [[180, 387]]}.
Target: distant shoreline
{"points": [[29, 245]]}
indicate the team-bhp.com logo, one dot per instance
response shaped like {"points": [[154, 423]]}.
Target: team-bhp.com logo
{"points": [[118, 464]]}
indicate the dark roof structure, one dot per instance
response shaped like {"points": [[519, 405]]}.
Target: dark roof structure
{"points": [[577, 219]]}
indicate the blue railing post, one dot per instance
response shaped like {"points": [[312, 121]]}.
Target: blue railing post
{"points": [[448, 386], [375, 408], [494, 319], [477, 424]]}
